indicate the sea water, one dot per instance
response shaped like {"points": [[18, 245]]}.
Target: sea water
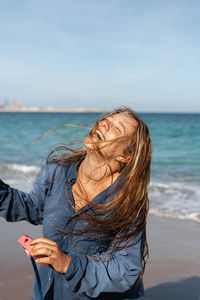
{"points": [[175, 171]]}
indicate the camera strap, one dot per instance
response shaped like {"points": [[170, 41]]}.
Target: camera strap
{"points": [[37, 277]]}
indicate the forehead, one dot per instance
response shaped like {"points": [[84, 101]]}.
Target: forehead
{"points": [[125, 120]]}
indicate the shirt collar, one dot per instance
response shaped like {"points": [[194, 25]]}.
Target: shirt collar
{"points": [[71, 176]]}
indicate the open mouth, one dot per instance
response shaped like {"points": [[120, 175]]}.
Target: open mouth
{"points": [[100, 135]]}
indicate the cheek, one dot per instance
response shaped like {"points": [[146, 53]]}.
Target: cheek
{"points": [[115, 149], [111, 136], [120, 147]]}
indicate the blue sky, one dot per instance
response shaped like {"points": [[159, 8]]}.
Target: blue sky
{"points": [[101, 53]]}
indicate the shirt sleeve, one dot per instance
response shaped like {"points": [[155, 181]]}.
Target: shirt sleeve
{"points": [[102, 273], [16, 205]]}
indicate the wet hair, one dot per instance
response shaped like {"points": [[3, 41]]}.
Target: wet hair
{"points": [[122, 220]]}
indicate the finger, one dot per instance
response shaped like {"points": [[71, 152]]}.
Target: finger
{"points": [[42, 239], [43, 251], [42, 245], [45, 260]]}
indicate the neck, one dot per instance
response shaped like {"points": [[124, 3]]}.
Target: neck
{"points": [[95, 168]]}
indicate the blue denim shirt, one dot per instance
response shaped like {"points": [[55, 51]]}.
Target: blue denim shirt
{"points": [[50, 203]]}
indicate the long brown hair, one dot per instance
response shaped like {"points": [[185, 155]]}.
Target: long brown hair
{"points": [[125, 216]]}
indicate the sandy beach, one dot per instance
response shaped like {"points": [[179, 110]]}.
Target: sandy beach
{"points": [[173, 268], [172, 271]]}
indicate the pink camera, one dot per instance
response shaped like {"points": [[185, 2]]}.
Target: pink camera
{"points": [[24, 241]]}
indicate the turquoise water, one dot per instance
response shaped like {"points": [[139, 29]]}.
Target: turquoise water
{"points": [[174, 189]]}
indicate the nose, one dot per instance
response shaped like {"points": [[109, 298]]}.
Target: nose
{"points": [[104, 123]]}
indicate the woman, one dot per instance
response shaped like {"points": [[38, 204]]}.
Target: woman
{"points": [[93, 205]]}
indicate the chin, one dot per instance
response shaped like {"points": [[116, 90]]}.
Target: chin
{"points": [[88, 143]]}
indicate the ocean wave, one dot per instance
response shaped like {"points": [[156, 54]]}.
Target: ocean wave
{"points": [[31, 170], [195, 216], [171, 188], [180, 200]]}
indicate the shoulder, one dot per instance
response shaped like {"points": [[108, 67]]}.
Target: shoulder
{"points": [[59, 170], [51, 170]]}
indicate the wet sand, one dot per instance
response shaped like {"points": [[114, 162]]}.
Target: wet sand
{"points": [[16, 272], [172, 271], [173, 268]]}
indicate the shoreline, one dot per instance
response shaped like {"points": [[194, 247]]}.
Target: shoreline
{"points": [[91, 110], [172, 270], [62, 110]]}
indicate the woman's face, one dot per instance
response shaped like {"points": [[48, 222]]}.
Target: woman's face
{"points": [[112, 135]]}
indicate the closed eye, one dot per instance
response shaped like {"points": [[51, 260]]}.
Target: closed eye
{"points": [[118, 129]]}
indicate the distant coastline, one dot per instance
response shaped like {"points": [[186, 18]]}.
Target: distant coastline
{"points": [[87, 110], [52, 109], [18, 107]]}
